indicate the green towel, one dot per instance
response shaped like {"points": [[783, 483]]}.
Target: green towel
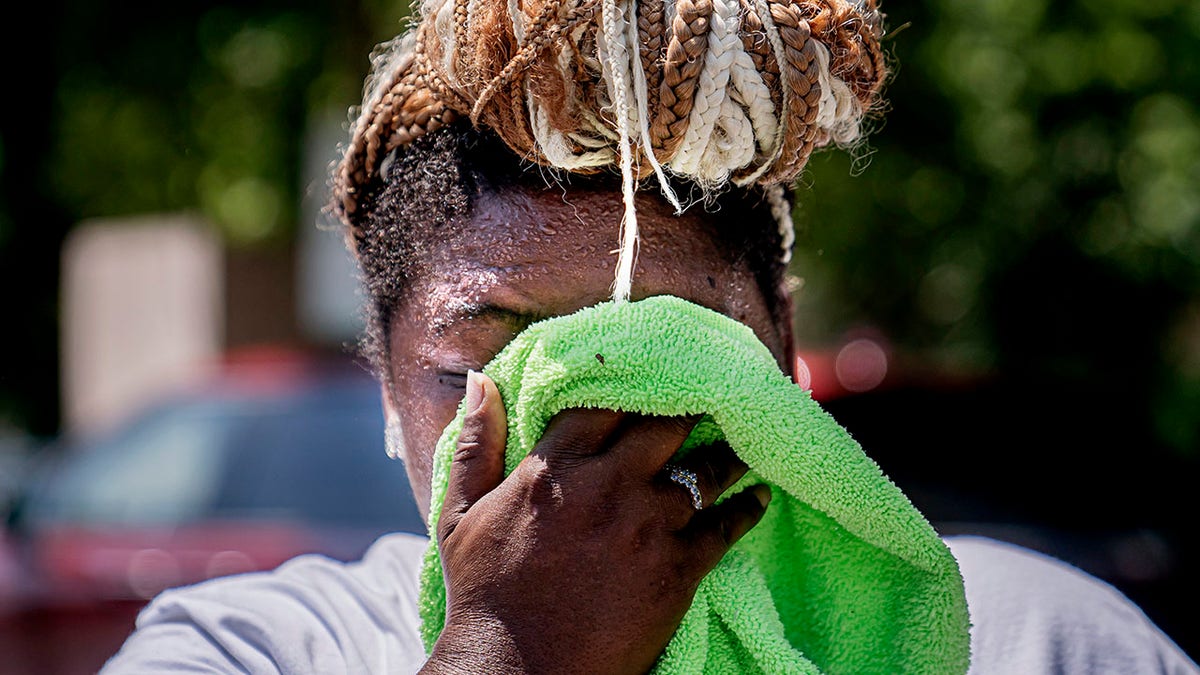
{"points": [[842, 575]]}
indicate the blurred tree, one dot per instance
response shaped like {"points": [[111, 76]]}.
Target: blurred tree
{"points": [[119, 110], [1032, 204], [1030, 210], [205, 106]]}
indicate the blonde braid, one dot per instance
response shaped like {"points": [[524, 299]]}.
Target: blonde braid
{"points": [[770, 52], [750, 89], [712, 91], [460, 25], [642, 91]]}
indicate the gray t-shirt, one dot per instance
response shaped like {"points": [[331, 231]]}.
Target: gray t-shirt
{"points": [[1030, 614]]}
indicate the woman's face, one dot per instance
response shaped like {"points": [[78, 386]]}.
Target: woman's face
{"points": [[527, 255]]}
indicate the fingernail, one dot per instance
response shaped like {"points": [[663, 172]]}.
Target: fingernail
{"points": [[802, 375], [763, 493], [474, 396]]}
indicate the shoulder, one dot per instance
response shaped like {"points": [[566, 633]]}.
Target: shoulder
{"points": [[311, 614], [1031, 613]]}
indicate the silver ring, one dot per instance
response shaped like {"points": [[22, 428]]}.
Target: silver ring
{"points": [[688, 479]]}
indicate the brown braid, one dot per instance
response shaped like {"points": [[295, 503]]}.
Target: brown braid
{"points": [[540, 36], [853, 43], [651, 52], [757, 45], [802, 90], [499, 83], [684, 62], [510, 108], [650, 47]]}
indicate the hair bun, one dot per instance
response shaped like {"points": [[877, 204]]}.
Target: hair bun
{"points": [[716, 91]]}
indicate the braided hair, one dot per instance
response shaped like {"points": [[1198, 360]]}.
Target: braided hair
{"points": [[716, 92]]}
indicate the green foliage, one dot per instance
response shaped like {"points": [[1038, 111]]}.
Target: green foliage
{"points": [[206, 109], [1018, 127]]}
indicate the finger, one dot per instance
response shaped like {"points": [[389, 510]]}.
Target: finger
{"points": [[645, 442], [717, 468], [577, 434], [715, 530], [478, 463]]}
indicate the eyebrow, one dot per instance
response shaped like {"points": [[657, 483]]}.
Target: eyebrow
{"points": [[517, 319]]}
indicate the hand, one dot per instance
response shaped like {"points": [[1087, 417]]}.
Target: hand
{"points": [[586, 557]]}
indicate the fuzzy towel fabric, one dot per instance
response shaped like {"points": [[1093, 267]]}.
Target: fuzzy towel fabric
{"points": [[842, 575]]}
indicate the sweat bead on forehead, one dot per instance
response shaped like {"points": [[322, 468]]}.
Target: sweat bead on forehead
{"points": [[541, 249]]}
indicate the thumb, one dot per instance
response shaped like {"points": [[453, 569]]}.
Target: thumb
{"points": [[478, 463]]}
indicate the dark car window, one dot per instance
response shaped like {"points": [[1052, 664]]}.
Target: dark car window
{"points": [[163, 470], [315, 456], [319, 460]]}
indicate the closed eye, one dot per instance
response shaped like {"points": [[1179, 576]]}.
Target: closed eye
{"points": [[452, 379]]}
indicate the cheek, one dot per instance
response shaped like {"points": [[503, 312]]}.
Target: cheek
{"points": [[423, 415]]}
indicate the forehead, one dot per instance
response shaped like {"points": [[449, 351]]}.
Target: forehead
{"points": [[552, 251]]}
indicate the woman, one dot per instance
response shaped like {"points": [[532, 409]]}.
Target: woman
{"points": [[503, 151]]}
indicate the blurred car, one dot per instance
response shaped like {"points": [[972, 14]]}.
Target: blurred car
{"points": [[280, 456], [270, 459]]}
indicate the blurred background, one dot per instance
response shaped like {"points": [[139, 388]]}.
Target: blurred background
{"points": [[999, 296]]}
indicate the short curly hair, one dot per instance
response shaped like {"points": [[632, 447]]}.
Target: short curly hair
{"points": [[431, 184]]}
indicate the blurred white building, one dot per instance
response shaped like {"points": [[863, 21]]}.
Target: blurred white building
{"points": [[149, 302], [141, 312]]}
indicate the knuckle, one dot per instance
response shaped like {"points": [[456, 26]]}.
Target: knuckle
{"points": [[683, 576], [725, 531], [648, 535], [469, 449], [543, 487], [476, 420], [566, 454], [445, 528]]}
